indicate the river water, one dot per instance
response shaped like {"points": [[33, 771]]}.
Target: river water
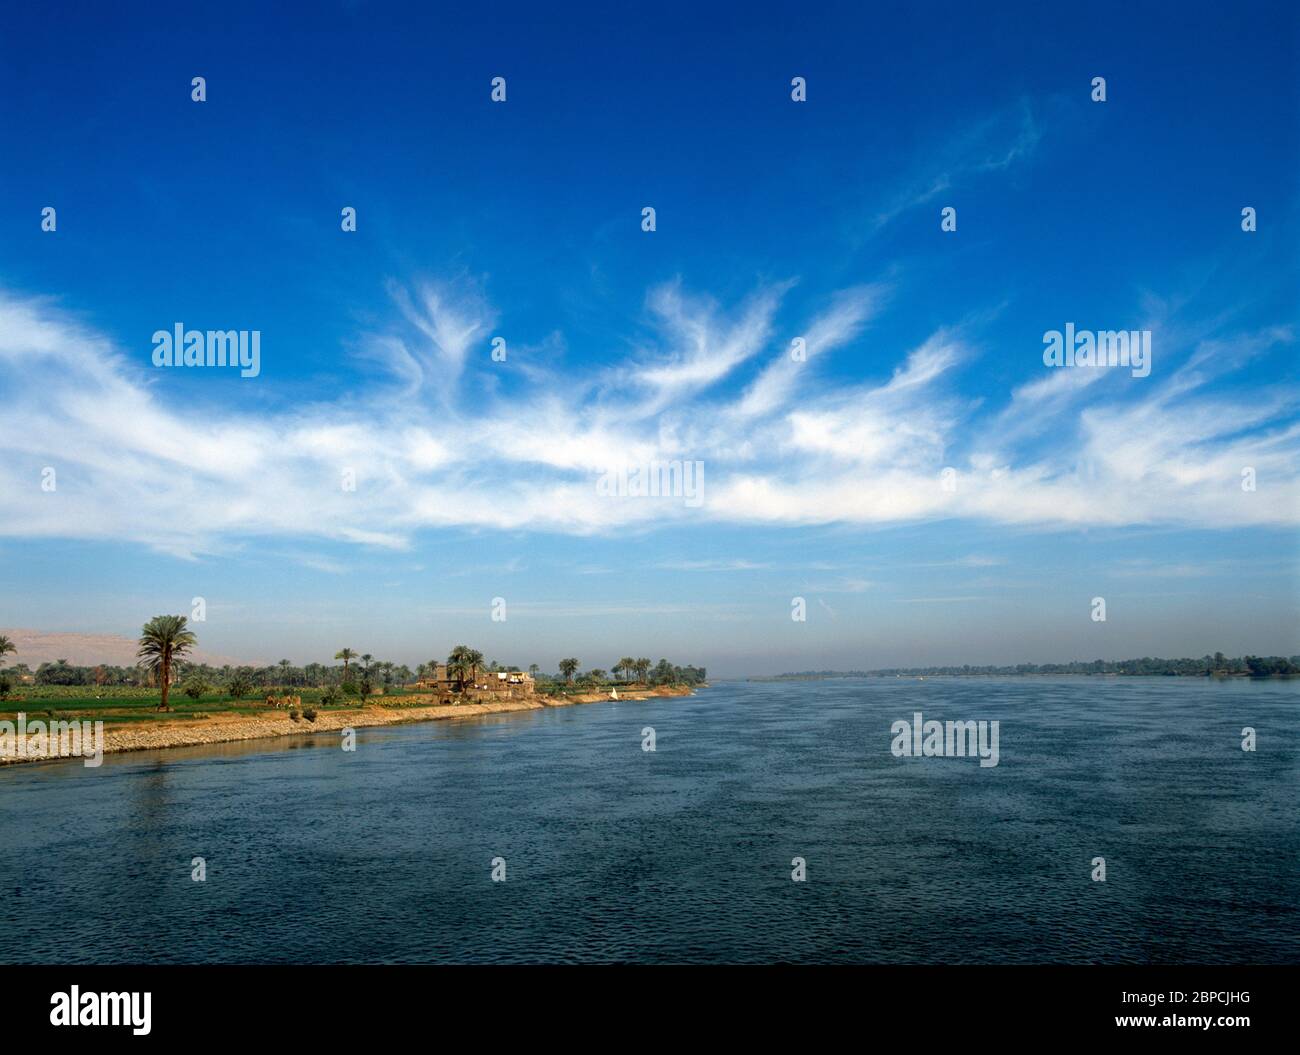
{"points": [[614, 853]]}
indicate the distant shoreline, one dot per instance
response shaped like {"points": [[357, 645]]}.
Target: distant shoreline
{"points": [[862, 675], [1208, 666]]}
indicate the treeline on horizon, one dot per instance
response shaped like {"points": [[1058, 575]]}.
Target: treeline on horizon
{"points": [[363, 673], [1206, 666]]}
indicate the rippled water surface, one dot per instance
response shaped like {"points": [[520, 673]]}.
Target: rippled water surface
{"points": [[684, 854]]}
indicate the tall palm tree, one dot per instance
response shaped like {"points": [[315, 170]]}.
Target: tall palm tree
{"points": [[458, 665], [568, 667], [284, 671], [6, 646], [627, 664], [642, 668], [345, 654], [163, 640], [475, 660]]}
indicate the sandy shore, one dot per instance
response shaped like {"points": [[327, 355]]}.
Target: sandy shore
{"points": [[224, 729]]}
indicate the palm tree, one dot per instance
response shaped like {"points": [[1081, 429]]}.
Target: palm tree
{"points": [[642, 668], [568, 667], [345, 654], [459, 663], [5, 646], [163, 640], [284, 671], [627, 664], [533, 668]]}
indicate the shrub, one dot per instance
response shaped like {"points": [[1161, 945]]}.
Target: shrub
{"points": [[5, 686], [309, 713], [240, 685], [194, 688], [293, 713]]}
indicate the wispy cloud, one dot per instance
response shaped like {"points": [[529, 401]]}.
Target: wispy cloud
{"points": [[711, 565], [781, 444], [992, 145]]}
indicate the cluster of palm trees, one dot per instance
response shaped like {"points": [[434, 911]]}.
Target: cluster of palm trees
{"points": [[165, 639], [463, 664], [463, 661], [630, 667], [372, 671], [626, 667], [369, 670], [366, 665]]}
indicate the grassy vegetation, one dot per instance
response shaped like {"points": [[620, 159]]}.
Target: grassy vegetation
{"points": [[130, 704], [112, 704]]}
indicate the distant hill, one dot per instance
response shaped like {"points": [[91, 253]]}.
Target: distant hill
{"points": [[86, 650]]}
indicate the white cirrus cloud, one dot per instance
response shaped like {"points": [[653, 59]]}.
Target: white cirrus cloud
{"points": [[137, 463]]}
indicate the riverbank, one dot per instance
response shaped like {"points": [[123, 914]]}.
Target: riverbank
{"points": [[223, 729]]}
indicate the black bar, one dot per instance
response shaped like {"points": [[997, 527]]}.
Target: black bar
{"points": [[674, 1004]]}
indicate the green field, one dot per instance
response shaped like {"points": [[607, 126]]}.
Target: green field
{"points": [[125, 703]]}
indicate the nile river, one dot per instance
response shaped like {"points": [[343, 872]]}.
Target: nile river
{"points": [[613, 853]]}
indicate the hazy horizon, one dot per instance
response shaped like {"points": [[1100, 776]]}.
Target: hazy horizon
{"points": [[118, 650]]}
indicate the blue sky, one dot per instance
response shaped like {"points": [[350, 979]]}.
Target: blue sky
{"points": [[775, 219]]}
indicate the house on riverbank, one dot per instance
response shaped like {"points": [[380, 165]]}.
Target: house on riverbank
{"points": [[487, 684]]}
